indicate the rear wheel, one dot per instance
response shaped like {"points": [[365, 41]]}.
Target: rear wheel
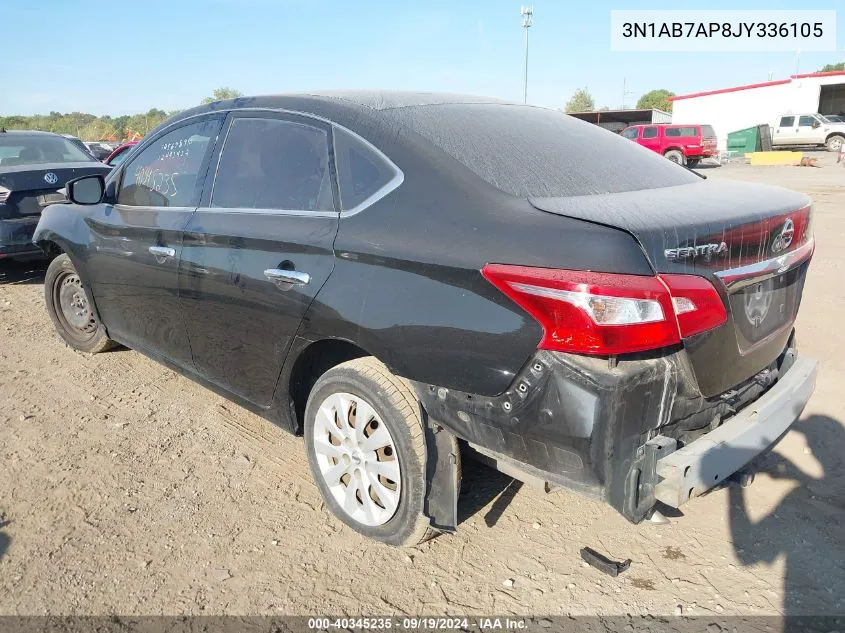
{"points": [[693, 162], [366, 449], [675, 156], [71, 310], [834, 143]]}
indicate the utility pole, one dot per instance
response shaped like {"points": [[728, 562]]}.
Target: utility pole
{"points": [[527, 14], [625, 91]]}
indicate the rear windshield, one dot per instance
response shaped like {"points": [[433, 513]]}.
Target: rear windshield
{"points": [[528, 151], [707, 131], [35, 150]]}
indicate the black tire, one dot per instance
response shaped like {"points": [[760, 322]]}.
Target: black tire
{"points": [[395, 403], [676, 156], [834, 142], [82, 330], [693, 162]]}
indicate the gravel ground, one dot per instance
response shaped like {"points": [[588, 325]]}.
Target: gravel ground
{"points": [[126, 488]]}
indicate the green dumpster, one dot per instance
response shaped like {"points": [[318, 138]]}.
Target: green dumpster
{"points": [[744, 141], [751, 139]]}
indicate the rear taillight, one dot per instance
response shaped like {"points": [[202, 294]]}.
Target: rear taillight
{"points": [[4, 194], [606, 313], [698, 307]]}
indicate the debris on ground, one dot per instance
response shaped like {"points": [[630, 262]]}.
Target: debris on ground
{"points": [[603, 563]]}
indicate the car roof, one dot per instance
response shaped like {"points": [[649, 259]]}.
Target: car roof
{"points": [[367, 99], [667, 125], [333, 103]]}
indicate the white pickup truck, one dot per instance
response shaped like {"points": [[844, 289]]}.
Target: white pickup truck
{"points": [[808, 129]]}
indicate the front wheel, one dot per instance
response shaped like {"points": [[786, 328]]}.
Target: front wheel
{"points": [[71, 310], [675, 156], [366, 449], [834, 143]]}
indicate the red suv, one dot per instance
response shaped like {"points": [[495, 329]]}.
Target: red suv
{"points": [[682, 144]]}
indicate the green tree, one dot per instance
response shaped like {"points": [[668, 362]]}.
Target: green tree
{"points": [[222, 93], [827, 68], [581, 101], [656, 99]]}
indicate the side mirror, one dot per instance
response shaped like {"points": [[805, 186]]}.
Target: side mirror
{"points": [[86, 190], [816, 124]]}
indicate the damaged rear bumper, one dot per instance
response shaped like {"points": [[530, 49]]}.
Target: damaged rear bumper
{"points": [[715, 456], [612, 430]]}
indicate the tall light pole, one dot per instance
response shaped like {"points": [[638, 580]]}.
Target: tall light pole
{"points": [[527, 14], [625, 91]]}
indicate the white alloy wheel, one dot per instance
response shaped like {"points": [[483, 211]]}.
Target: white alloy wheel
{"points": [[357, 459]]}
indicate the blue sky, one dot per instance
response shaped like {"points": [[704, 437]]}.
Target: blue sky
{"points": [[118, 57]]}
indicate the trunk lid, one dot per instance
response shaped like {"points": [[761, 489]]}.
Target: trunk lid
{"points": [[753, 242], [33, 187]]}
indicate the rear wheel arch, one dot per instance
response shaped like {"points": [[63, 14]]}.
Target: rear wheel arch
{"points": [[312, 362]]}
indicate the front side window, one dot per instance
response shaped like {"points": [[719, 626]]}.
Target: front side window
{"points": [[631, 132], [167, 172], [786, 121], [362, 172], [650, 132], [274, 164], [806, 121]]}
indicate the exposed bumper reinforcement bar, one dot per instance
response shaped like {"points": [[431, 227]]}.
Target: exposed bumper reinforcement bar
{"points": [[712, 458]]}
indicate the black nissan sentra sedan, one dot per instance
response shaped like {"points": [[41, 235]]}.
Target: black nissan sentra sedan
{"points": [[34, 166], [397, 275]]}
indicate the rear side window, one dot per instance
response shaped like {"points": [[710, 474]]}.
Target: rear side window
{"points": [[681, 131], [274, 164], [707, 131], [167, 172], [363, 173], [650, 132], [786, 121], [527, 151], [631, 132]]}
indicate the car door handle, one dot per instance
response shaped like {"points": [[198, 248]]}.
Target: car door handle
{"points": [[287, 279], [162, 252]]}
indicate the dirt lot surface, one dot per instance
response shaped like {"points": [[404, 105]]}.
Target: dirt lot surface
{"points": [[125, 488]]}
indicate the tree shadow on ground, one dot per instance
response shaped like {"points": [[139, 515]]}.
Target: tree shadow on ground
{"points": [[806, 527]]}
